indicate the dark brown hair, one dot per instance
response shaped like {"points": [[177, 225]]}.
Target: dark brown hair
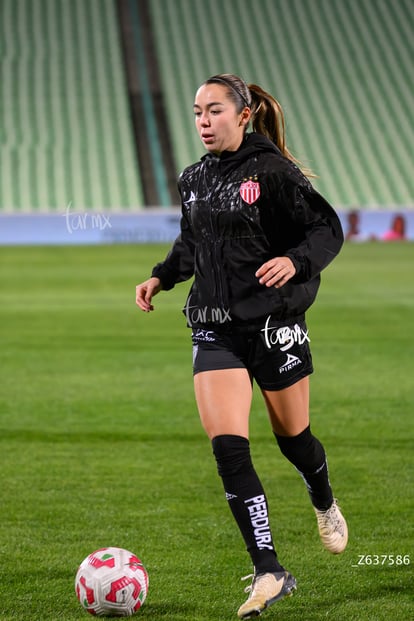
{"points": [[267, 117]]}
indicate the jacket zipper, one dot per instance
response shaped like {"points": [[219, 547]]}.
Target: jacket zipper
{"points": [[216, 266]]}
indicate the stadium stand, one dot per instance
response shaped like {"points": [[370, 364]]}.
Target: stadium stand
{"points": [[66, 136], [342, 71], [146, 96]]}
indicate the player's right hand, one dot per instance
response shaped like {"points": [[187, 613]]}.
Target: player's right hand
{"points": [[145, 292]]}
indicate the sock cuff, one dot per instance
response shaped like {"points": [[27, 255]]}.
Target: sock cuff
{"points": [[232, 454], [302, 437], [304, 451], [229, 442]]}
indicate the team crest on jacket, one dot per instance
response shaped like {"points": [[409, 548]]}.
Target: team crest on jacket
{"points": [[250, 191]]}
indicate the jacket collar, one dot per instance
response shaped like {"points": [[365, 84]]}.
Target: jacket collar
{"points": [[252, 143]]}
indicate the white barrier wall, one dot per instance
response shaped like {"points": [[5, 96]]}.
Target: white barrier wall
{"points": [[157, 226]]}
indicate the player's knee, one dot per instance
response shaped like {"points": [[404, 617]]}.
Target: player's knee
{"points": [[232, 455], [304, 451]]}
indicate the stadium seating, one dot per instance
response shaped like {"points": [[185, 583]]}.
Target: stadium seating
{"points": [[67, 138], [342, 71]]}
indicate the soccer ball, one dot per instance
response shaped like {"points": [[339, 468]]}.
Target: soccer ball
{"points": [[111, 581]]}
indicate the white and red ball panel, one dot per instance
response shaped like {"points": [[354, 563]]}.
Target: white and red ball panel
{"points": [[111, 581]]}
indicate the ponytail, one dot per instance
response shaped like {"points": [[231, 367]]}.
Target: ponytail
{"points": [[268, 119]]}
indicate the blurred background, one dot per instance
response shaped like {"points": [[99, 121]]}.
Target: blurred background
{"points": [[99, 438], [96, 107]]}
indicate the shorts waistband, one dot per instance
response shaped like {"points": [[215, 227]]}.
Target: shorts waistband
{"points": [[250, 326]]}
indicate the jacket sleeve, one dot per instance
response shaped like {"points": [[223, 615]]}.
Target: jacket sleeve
{"points": [[179, 262], [322, 236]]}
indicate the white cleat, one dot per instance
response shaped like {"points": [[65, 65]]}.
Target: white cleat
{"points": [[332, 528], [265, 590]]}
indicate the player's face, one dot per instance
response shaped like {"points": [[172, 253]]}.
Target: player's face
{"points": [[219, 125]]}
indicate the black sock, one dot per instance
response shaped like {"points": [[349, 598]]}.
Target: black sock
{"points": [[246, 499], [307, 454]]}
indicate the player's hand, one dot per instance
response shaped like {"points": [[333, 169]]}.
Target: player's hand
{"points": [[145, 292], [276, 272]]}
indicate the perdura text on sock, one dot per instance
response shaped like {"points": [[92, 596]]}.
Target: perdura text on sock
{"points": [[257, 507]]}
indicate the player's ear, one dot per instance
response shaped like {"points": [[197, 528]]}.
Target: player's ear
{"points": [[245, 115]]}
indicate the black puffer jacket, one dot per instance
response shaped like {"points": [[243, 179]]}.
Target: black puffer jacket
{"points": [[238, 211]]}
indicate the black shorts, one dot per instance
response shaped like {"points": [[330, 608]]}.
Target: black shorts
{"points": [[275, 353]]}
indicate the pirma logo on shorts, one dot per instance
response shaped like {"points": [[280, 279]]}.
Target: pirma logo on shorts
{"points": [[292, 361]]}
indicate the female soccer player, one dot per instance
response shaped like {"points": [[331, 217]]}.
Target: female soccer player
{"points": [[255, 235]]}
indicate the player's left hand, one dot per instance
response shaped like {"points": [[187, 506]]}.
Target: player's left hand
{"points": [[276, 272]]}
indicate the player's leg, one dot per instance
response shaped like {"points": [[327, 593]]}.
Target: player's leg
{"points": [[288, 410], [224, 399]]}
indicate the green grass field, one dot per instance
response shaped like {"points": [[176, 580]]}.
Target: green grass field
{"points": [[101, 443]]}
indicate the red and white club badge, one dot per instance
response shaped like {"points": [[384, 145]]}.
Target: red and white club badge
{"points": [[250, 191]]}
